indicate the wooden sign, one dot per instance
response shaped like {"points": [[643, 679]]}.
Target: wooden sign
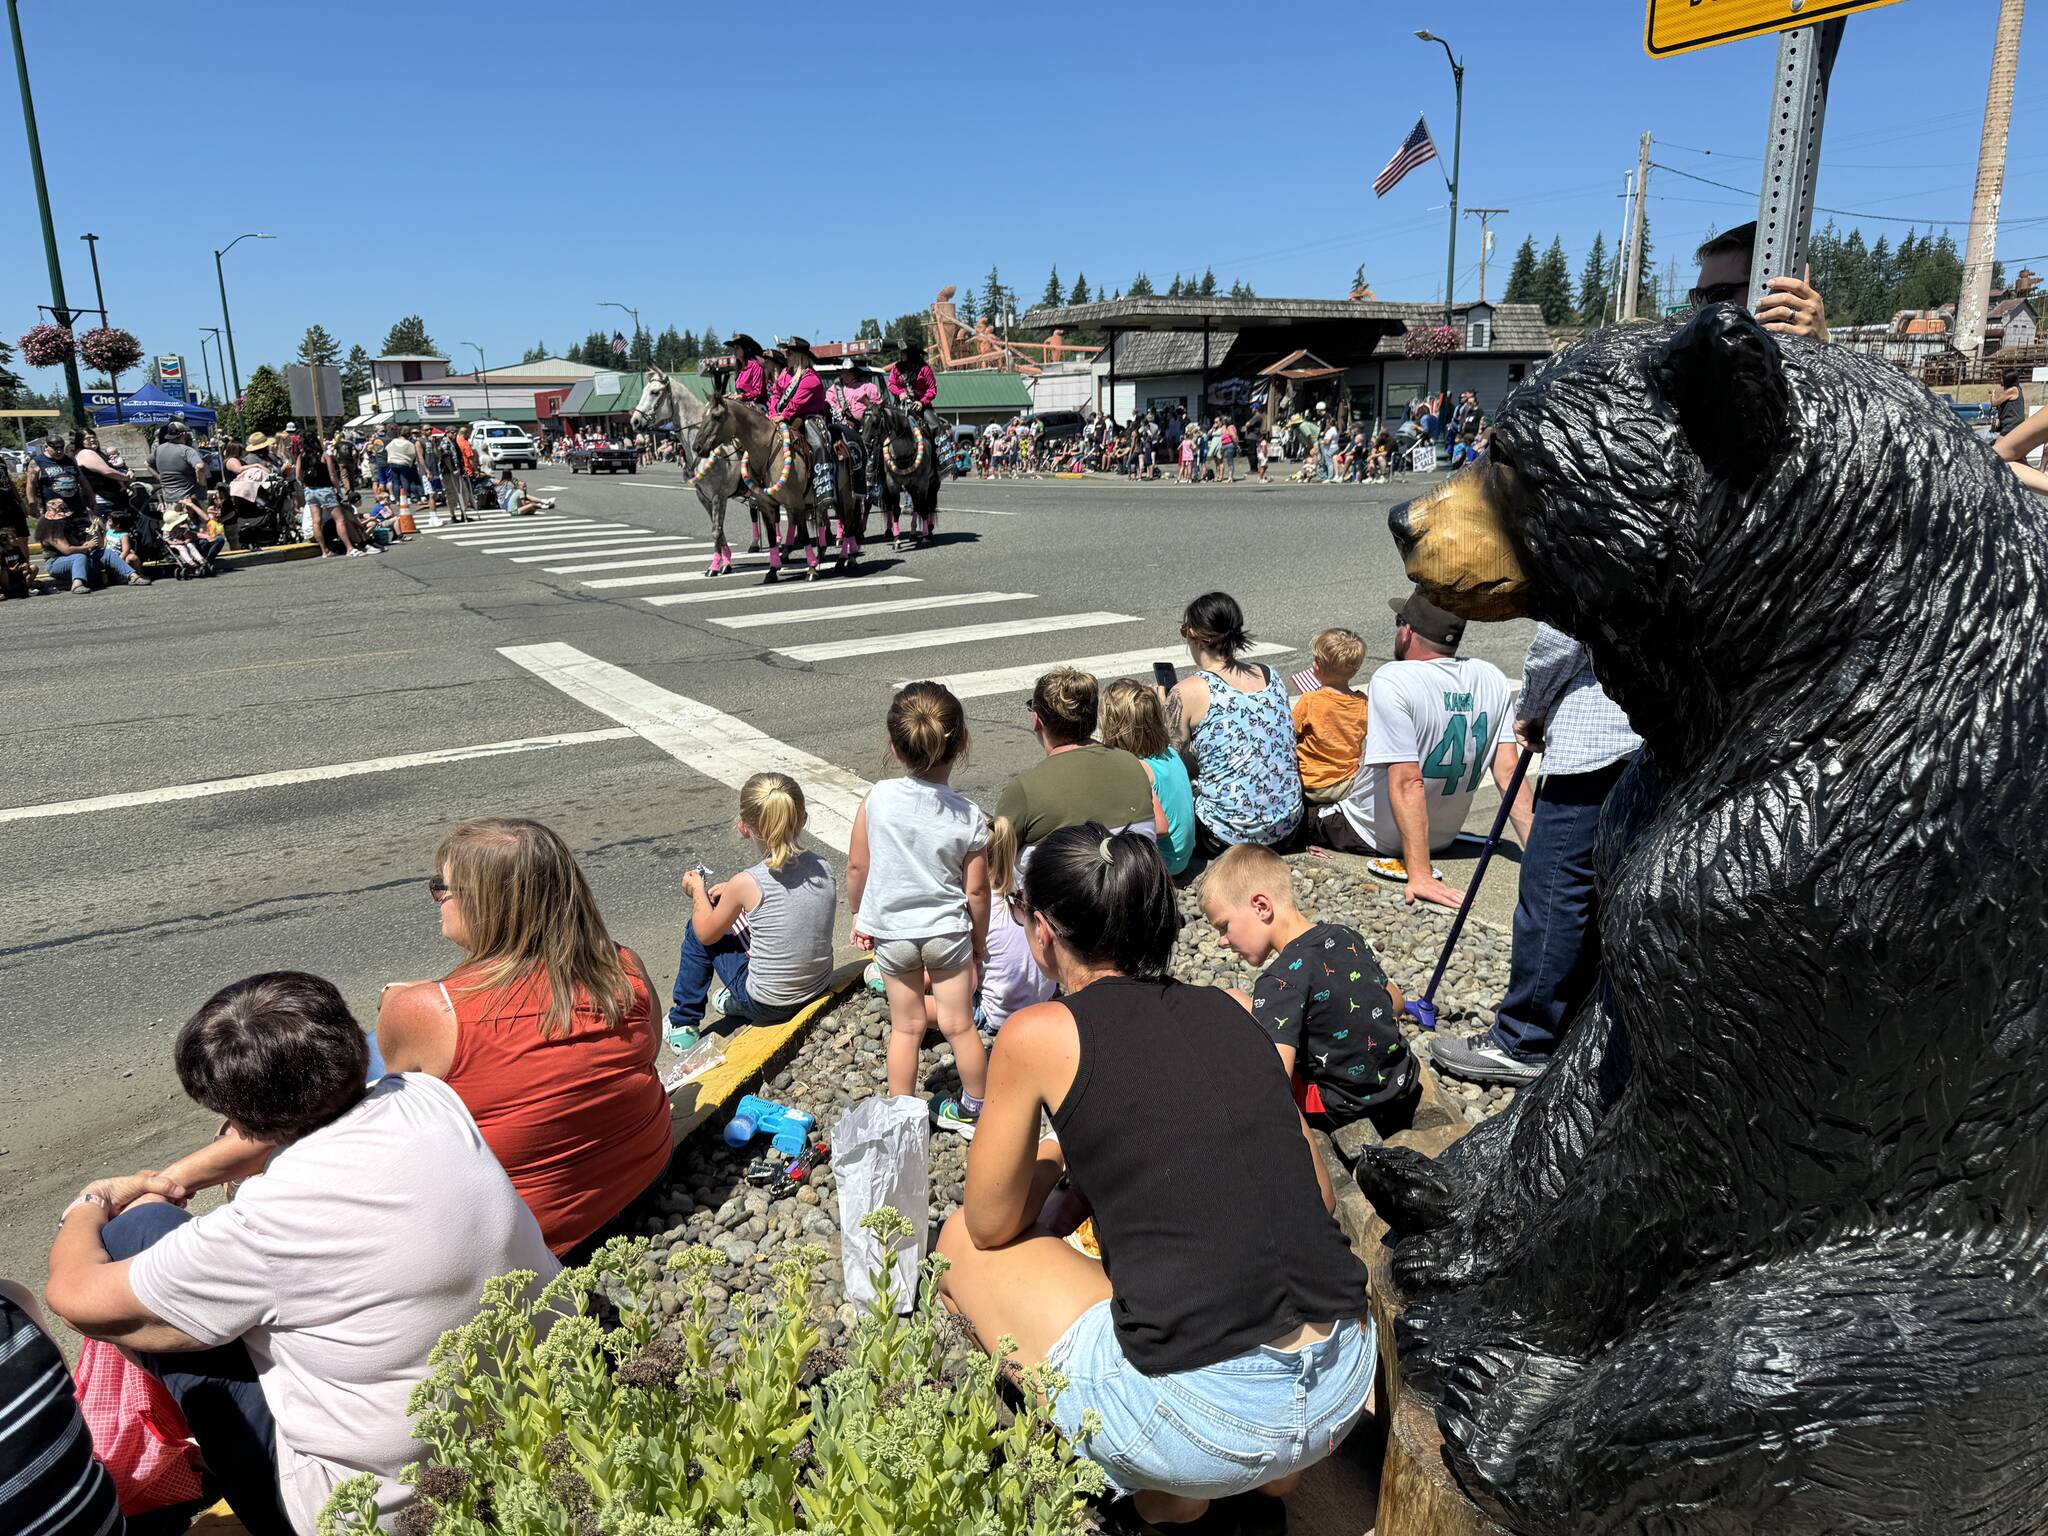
{"points": [[1680, 26]]}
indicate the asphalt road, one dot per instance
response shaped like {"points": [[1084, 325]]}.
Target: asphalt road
{"points": [[116, 922]]}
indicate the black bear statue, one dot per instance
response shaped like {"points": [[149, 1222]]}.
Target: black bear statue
{"points": [[1765, 1249]]}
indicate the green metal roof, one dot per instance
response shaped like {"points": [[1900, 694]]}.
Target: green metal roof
{"points": [[497, 412], [982, 392], [617, 404]]}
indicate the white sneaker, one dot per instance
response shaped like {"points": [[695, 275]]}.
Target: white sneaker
{"points": [[357, 554]]}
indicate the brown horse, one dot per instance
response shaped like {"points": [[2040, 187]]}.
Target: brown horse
{"points": [[776, 465]]}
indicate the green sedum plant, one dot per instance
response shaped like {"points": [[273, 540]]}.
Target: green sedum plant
{"points": [[540, 1420]]}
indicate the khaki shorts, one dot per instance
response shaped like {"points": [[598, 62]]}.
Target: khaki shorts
{"points": [[939, 956]]}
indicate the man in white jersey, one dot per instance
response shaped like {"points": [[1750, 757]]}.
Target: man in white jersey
{"points": [[1435, 720]]}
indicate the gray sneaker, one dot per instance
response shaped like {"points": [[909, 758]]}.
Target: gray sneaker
{"points": [[1480, 1060]]}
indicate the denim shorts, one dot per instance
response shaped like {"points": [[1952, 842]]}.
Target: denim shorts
{"points": [[906, 957], [324, 496], [1220, 1430]]}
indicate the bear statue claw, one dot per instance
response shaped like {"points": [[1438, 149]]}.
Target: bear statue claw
{"points": [[1412, 1193]]}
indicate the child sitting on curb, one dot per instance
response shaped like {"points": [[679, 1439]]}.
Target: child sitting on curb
{"points": [[1325, 1001], [917, 876], [1329, 720], [787, 902], [1133, 720]]}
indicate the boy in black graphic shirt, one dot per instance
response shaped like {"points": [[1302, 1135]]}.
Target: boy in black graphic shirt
{"points": [[1324, 1000]]}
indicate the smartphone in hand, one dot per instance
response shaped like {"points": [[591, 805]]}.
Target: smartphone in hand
{"points": [[1163, 674]]}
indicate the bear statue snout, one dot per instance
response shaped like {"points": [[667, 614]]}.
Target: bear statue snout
{"points": [[1454, 543]]}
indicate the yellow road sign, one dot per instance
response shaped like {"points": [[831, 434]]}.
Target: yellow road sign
{"points": [[1680, 26]]}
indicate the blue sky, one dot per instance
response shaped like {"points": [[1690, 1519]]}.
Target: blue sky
{"points": [[500, 168]]}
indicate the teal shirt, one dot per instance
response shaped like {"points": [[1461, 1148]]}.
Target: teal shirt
{"points": [[1177, 799]]}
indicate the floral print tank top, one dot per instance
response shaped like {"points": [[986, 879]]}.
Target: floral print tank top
{"points": [[1248, 786]]}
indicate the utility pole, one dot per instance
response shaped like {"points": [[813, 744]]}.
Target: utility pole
{"points": [[206, 363], [92, 245], [1457, 155], [1983, 242], [1484, 216], [1634, 278], [1628, 223], [35, 159]]}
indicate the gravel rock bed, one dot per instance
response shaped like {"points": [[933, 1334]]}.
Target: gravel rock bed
{"points": [[842, 1062]]}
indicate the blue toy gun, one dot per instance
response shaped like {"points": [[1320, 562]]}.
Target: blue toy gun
{"points": [[789, 1128]]}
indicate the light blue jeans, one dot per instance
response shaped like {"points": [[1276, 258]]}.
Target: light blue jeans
{"points": [[1224, 1429]]}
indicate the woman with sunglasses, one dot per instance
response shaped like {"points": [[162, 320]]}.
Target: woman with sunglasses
{"points": [[546, 1030], [1220, 1344]]}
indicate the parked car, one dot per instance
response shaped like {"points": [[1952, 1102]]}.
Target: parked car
{"points": [[500, 445], [1059, 425], [603, 456]]}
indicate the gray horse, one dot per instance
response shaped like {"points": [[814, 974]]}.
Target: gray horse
{"points": [[907, 460], [716, 475]]}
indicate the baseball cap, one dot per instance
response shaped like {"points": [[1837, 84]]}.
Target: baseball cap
{"points": [[1434, 624]]}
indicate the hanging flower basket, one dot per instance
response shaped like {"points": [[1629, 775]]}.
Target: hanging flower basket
{"points": [[110, 349], [1430, 341], [45, 346]]}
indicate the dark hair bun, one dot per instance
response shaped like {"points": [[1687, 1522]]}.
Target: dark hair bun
{"points": [[1107, 895]]}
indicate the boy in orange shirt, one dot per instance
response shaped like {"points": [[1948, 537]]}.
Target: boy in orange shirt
{"points": [[1329, 721]]}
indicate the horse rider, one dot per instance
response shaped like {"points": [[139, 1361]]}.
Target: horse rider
{"points": [[911, 380], [798, 399], [751, 382], [850, 396]]}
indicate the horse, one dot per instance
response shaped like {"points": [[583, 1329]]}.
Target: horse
{"points": [[769, 459], [716, 476], [909, 460]]}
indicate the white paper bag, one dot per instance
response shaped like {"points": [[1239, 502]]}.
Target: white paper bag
{"points": [[881, 1155]]}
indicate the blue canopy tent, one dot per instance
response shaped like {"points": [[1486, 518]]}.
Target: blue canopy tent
{"points": [[150, 407]]}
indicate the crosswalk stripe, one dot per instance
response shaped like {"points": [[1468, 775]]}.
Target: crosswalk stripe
{"points": [[715, 744], [700, 558], [492, 527], [660, 578], [731, 594], [643, 547], [980, 685], [469, 535], [920, 639], [810, 613], [568, 537]]}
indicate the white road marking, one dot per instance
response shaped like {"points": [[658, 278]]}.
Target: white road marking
{"points": [[641, 547], [920, 639], [498, 529], [673, 599], [287, 776], [810, 614], [627, 565], [468, 535], [715, 744], [978, 511], [570, 540], [744, 568], [980, 685]]}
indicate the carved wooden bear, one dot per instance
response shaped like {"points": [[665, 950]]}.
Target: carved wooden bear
{"points": [[1763, 1250]]}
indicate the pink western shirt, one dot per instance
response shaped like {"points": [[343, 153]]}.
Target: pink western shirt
{"points": [[925, 391]]}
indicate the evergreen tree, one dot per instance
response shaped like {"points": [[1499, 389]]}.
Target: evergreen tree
{"points": [[266, 402], [713, 341], [870, 330], [996, 299], [1208, 289], [1646, 284], [1884, 283], [1852, 279], [1052, 297], [355, 379], [1173, 290], [317, 347], [1141, 287], [535, 353], [1593, 290], [10, 381], [970, 311], [1521, 288], [639, 350], [1554, 284], [668, 350], [410, 336], [1080, 294], [1239, 291], [1358, 282]]}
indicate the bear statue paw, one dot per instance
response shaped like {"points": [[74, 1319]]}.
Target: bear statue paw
{"points": [[1412, 1193]]}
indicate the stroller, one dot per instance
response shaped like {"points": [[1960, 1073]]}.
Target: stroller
{"points": [[265, 519], [140, 519]]}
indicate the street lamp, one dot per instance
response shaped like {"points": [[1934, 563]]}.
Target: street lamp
{"points": [[1457, 150], [224, 320], [482, 372], [206, 364], [61, 307], [92, 245], [629, 309]]}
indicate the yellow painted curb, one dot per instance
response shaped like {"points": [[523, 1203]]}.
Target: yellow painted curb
{"points": [[750, 1056], [217, 1521]]}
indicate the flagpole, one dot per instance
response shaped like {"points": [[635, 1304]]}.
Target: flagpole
{"points": [[1457, 152]]}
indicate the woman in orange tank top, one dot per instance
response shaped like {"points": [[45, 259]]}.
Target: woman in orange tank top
{"points": [[546, 1030]]}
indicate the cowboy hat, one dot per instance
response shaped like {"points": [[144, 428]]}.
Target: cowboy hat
{"points": [[742, 339], [796, 344], [258, 441], [912, 349]]}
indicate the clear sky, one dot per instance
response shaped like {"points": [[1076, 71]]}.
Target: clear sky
{"points": [[500, 168]]}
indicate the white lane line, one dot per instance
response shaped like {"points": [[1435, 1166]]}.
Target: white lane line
{"points": [[287, 776], [810, 614], [627, 565], [643, 547], [673, 599], [981, 511], [715, 744], [980, 685], [920, 639]]}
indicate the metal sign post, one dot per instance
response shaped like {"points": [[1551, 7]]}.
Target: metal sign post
{"points": [[1799, 102]]}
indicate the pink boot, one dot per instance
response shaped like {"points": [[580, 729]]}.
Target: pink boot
{"points": [[811, 560]]}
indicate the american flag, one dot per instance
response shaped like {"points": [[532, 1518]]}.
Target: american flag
{"points": [[619, 342], [1415, 150]]}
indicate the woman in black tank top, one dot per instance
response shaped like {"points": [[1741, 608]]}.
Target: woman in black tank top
{"points": [[1216, 1347]]}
